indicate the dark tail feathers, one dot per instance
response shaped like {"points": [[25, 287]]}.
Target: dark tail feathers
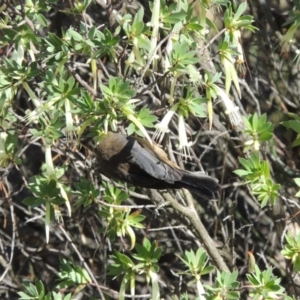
{"points": [[201, 184]]}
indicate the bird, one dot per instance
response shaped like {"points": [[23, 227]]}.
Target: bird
{"points": [[137, 161]]}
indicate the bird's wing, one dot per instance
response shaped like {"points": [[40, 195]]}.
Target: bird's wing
{"points": [[143, 157], [158, 152]]}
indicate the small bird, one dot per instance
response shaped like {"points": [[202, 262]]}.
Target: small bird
{"points": [[137, 161]]}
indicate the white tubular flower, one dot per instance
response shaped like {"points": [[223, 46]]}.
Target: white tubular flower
{"points": [[201, 290], [48, 160], [155, 24], [231, 109], [3, 155], [237, 37], [163, 126], [65, 196], [194, 75], [36, 101], [155, 285], [70, 129], [47, 221], [18, 54], [43, 111], [184, 145]]}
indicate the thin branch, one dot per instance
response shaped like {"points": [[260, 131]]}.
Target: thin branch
{"points": [[191, 213]]}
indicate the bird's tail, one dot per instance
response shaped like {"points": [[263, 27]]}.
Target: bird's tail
{"points": [[202, 184]]}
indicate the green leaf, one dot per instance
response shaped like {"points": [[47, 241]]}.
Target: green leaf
{"points": [[175, 17], [145, 117], [24, 296], [33, 201], [41, 19], [247, 123], [245, 163], [264, 201], [295, 125], [297, 181], [143, 42], [296, 142], [58, 201], [194, 26], [241, 173], [207, 270], [124, 259], [254, 120], [241, 9]]}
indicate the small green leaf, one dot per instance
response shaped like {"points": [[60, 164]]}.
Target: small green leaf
{"points": [[295, 125], [33, 201], [241, 173], [241, 9], [297, 181]]}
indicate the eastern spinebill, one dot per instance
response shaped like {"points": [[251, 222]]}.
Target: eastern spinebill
{"points": [[140, 163]]}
